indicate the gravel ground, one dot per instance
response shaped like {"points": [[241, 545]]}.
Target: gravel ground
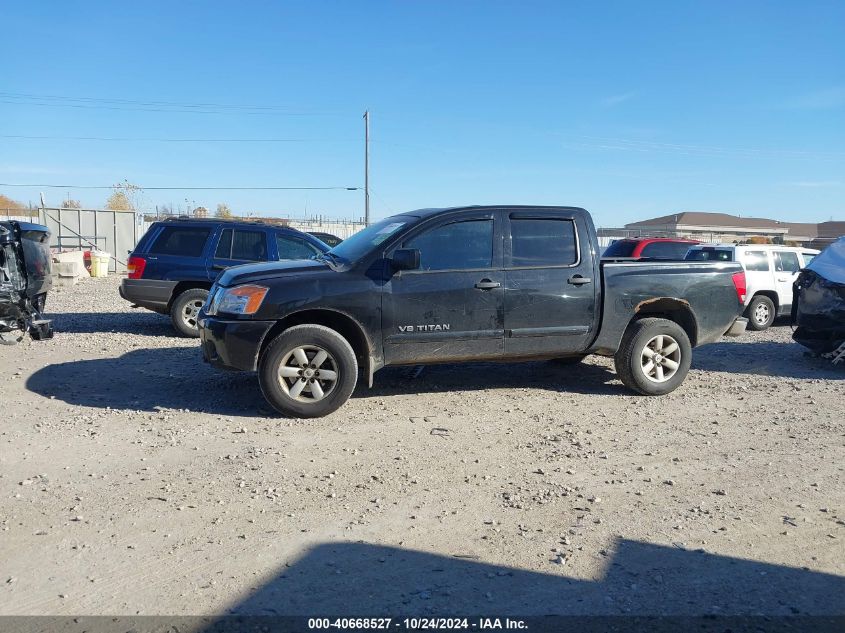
{"points": [[136, 479]]}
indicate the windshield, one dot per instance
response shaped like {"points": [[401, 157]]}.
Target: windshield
{"points": [[354, 248]]}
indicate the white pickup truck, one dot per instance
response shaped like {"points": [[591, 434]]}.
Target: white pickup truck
{"points": [[770, 271]]}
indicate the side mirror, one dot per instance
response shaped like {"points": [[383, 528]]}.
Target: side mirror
{"points": [[406, 259]]}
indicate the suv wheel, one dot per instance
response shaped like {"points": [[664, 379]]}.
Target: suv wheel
{"points": [[185, 309], [308, 371], [760, 313], [654, 356]]}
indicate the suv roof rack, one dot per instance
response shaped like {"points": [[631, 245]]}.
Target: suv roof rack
{"points": [[188, 218]]}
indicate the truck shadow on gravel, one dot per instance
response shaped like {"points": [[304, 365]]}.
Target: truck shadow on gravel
{"points": [[582, 378], [640, 579], [141, 322], [150, 380], [177, 378], [782, 360]]}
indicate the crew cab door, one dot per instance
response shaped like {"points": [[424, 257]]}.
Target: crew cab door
{"points": [[551, 284], [451, 307]]}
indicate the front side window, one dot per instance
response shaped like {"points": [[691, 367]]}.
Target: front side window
{"points": [[292, 248], [456, 246], [756, 261], [249, 246], [808, 257], [186, 241], [224, 246], [543, 242], [787, 262]]}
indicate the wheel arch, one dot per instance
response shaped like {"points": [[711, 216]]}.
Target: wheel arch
{"points": [[340, 322], [771, 294], [672, 309], [182, 286]]}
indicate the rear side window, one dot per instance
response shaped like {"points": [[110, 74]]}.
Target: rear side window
{"points": [[621, 248], [249, 245], [665, 250], [456, 246], [709, 255], [787, 262], [187, 241], [543, 242], [756, 261], [293, 248]]}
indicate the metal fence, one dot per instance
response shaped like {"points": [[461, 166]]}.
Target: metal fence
{"points": [[115, 232]]}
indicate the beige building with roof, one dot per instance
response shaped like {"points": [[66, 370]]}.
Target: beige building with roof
{"points": [[723, 227]]}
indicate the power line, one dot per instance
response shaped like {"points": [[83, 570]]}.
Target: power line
{"points": [[64, 101], [126, 139], [6, 184], [176, 104]]}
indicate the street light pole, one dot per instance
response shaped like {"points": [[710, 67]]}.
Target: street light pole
{"points": [[367, 168]]}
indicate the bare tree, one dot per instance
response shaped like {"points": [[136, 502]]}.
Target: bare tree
{"points": [[223, 211], [126, 197], [70, 203]]}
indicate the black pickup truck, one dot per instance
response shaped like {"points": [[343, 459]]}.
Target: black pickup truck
{"points": [[503, 283]]}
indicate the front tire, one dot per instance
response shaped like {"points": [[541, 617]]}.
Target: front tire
{"points": [[308, 371], [654, 357], [185, 309], [760, 313]]}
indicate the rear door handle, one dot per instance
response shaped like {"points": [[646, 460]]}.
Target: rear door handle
{"points": [[219, 267], [486, 284], [578, 280]]}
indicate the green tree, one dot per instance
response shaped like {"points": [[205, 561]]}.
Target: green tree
{"points": [[223, 211]]}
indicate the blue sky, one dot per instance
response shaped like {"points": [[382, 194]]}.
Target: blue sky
{"points": [[629, 109]]}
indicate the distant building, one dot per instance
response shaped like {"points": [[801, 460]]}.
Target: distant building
{"points": [[723, 227]]}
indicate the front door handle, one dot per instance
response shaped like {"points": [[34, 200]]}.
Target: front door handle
{"points": [[486, 284], [579, 280]]}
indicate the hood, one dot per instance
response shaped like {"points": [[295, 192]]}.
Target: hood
{"points": [[246, 273]]}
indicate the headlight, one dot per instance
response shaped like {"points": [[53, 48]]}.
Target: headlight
{"points": [[239, 300]]}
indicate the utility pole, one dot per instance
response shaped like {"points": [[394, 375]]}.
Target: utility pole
{"points": [[367, 168]]}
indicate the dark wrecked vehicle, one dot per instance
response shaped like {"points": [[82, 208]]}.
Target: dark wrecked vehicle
{"points": [[463, 284], [25, 278], [818, 306]]}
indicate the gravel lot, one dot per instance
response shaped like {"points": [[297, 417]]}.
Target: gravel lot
{"points": [[136, 479]]}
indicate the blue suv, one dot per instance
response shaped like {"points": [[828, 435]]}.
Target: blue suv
{"points": [[173, 266]]}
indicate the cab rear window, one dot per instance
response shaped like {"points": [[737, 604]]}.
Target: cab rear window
{"points": [[621, 248], [709, 255], [187, 241]]}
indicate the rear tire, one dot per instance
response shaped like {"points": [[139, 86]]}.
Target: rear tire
{"points": [[654, 356], [308, 371], [185, 309], [760, 313]]}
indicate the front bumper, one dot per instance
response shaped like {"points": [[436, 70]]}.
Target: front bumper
{"points": [[738, 327], [232, 344], [153, 294]]}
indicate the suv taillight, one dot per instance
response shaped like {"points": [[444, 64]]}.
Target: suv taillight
{"points": [[135, 267], [739, 284]]}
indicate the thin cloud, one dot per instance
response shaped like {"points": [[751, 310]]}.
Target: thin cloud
{"points": [[814, 184], [829, 99], [615, 100]]}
